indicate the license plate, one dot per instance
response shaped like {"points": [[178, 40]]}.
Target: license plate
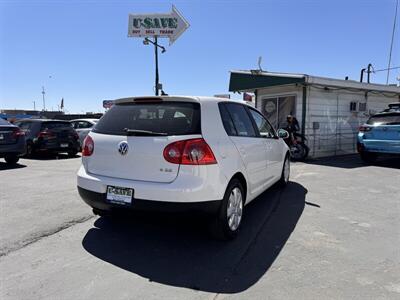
{"points": [[64, 145], [119, 195], [1, 137]]}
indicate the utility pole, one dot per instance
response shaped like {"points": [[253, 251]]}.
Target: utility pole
{"points": [[34, 105], [156, 55], [44, 102], [391, 43]]}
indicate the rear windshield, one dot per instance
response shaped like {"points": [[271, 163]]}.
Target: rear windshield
{"points": [[54, 125], [389, 119], [165, 118]]}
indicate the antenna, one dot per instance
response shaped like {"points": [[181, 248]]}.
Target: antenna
{"points": [[259, 63]]}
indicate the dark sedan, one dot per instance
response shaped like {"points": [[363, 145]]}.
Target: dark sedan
{"points": [[53, 136], [12, 142]]}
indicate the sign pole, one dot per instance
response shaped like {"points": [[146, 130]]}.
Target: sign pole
{"points": [[156, 55]]}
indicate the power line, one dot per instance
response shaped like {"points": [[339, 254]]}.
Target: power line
{"points": [[386, 69], [391, 43]]}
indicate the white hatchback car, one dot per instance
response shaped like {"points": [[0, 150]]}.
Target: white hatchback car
{"points": [[173, 153]]}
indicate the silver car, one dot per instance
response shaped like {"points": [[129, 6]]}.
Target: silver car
{"points": [[83, 127]]}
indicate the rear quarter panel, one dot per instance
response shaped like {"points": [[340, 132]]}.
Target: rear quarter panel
{"points": [[224, 150]]}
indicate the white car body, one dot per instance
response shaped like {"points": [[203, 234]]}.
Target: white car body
{"points": [[257, 161]]}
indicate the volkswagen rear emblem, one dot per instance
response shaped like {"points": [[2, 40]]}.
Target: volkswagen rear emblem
{"points": [[123, 148]]}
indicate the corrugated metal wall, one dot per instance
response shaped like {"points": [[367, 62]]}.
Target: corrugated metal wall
{"points": [[330, 127]]}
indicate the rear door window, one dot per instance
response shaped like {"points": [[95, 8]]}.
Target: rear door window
{"points": [[241, 120], [387, 119], [165, 118], [227, 120]]}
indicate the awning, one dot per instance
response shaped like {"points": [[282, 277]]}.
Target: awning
{"points": [[249, 81]]}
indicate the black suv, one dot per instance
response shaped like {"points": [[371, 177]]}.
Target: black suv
{"points": [[53, 136]]}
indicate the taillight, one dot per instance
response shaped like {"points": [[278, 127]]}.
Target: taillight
{"points": [[17, 132], [87, 146], [189, 152], [46, 134], [364, 128]]}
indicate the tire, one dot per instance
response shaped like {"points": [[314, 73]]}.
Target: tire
{"points": [[368, 157], [29, 150], [225, 227], [300, 153], [11, 160], [283, 181]]}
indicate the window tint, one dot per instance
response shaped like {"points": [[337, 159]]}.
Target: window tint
{"points": [[82, 125], [241, 120], [265, 129], [389, 119], [227, 120], [171, 118], [54, 125], [23, 125]]}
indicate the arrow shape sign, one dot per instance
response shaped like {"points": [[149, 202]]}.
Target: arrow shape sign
{"points": [[161, 25]]}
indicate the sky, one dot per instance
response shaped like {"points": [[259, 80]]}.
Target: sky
{"points": [[80, 51]]}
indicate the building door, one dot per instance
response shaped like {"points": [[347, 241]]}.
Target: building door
{"points": [[276, 109]]}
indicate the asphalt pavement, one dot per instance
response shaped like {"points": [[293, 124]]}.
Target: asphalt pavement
{"points": [[333, 233]]}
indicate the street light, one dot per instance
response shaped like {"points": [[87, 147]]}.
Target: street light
{"points": [[147, 41]]}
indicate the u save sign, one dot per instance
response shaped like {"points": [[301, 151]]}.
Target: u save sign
{"points": [[170, 25]]}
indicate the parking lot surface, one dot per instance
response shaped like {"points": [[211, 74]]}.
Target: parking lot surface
{"points": [[333, 233]]}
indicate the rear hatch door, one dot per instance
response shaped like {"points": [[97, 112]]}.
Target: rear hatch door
{"points": [[60, 132], [130, 138], [384, 127], [7, 135]]}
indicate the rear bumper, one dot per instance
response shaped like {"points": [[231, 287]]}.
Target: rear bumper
{"points": [[98, 201], [379, 146], [17, 149], [188, 187], [55, 147]]}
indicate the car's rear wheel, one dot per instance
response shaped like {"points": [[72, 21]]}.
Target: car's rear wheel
{"points": [[228, 221], [11, 159], [29, 150], [368, 157]]}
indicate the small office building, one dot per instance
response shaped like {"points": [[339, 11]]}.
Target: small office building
{"points": [[329, 110]]}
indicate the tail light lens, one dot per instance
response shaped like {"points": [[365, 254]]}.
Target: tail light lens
{"points": [[189, 152], [87, 146], [364, 128], [17, 132], [46, 134]]}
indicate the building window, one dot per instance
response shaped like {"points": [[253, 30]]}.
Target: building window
{"points": [[277, 109]]}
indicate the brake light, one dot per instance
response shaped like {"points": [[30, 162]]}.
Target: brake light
{"points": [[364, 128], [189, 152], [87, 146], [17, 132], [45, 134]]}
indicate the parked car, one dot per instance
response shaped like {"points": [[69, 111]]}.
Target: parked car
{"points": [[12, 142], [174, 153], [83, 127], [381, 134], [43, 135]]}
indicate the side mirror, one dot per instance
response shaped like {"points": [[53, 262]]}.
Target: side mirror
{"points": [[283, 134]]}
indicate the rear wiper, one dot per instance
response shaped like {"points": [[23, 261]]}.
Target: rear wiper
{"points": [[142, 132]]}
